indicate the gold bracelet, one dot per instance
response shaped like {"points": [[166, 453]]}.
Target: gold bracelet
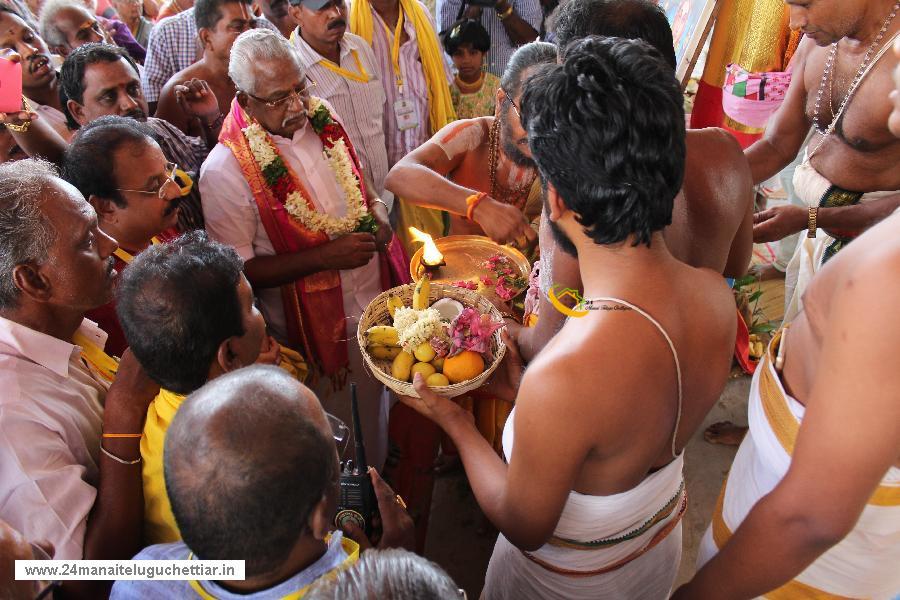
{"points": [[121, 461], [506, 13], [811, 221], [383, 203], [24, 126]]}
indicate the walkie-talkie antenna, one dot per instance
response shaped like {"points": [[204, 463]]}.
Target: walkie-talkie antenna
{"points": [[361, 464]]}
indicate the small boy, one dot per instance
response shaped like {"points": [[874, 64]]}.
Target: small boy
{"points": [[474, 90]]}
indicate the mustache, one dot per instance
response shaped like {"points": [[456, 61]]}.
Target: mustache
{"points": [[110, 266], [337, 23], [137, 114]]}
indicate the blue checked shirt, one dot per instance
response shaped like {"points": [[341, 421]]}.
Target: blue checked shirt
{"points": [[174, 46], [502, 47]]}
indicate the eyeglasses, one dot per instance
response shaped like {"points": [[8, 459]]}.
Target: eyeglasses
{"points": [[171, 169], [340, 432], [512, 103], [298, 94]]}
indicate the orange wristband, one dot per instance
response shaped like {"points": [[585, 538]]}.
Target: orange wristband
{"points": [[472, 203], [123, 435]]}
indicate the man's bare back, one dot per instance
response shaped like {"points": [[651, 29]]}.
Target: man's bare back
{"points": [[596, 367], [712, 224]]}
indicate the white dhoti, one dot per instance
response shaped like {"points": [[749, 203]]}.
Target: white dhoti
{"points": [[810, 187], [626, 545], [866, 563]]}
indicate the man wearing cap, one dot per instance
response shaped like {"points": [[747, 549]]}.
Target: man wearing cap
{"points": [[345, 72]]}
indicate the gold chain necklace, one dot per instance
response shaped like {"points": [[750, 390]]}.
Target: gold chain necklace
{"points": [[516, 196]]}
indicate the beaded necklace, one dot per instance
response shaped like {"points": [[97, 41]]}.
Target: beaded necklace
{"points": [[828, 75], [516, 196]]}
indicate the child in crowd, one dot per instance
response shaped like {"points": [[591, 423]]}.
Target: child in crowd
{"points": [[473, 89]]}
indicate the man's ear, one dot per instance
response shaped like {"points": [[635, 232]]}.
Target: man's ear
{"points": [[107, 210], [242, 99], [227, 356], [295, 11], [32, 282], [321, 522], [77, 112], [555, 203], [203, 34]]}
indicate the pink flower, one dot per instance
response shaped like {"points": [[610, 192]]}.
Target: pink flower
{"points": [[472, 331], [487, 281]]}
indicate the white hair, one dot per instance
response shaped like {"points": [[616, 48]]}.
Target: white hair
{"points": [[388, 574], [255, 46], [25, 233], [50, 32]]}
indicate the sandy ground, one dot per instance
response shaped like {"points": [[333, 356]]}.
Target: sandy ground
{"points": [[457, 539]]}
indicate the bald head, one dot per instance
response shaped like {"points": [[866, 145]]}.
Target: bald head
{"points": [[248, 457]]}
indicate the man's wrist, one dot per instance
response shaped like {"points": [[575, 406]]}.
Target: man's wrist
{"points": [[213, 121]]}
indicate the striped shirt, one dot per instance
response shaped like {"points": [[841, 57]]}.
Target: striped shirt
{"points": [[502, 48], [173, 47], [415, 86], [359, 105]]}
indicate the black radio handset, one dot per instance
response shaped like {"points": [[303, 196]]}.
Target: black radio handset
{"points": [[356, 503]]}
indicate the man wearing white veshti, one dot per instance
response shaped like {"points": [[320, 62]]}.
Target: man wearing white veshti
{"points": [[314, 237]]}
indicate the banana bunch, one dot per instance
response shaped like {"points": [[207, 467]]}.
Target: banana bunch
{"points": [[383, 342], [757, 347]]}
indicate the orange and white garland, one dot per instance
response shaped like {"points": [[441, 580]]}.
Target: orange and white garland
{"points": [[337, 154]]}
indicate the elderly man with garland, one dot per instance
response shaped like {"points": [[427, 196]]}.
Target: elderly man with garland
{"points": [[284, 187]]}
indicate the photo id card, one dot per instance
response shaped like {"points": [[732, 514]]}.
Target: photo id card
{"points": [[405, 111]]}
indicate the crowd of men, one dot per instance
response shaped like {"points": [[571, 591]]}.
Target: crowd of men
{"points": [[195, 211]]}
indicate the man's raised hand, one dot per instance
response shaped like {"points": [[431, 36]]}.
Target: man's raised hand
{"points": [[503, 223], [197, 99], [397, 527]]}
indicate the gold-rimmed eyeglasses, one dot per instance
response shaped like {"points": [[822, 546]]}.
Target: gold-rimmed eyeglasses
{"points": [[298, 94], [171, 169]]}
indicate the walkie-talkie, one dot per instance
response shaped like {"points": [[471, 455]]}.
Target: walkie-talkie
{"points": [[356, 503]]}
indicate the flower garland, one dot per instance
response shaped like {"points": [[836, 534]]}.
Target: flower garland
{"points": [[337, 153]]}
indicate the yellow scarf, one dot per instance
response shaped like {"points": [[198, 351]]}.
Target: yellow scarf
{"points": [[440, 103], [349, 546], [159, 522], [100, 363]]}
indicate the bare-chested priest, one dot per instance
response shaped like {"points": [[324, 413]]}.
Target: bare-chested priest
{"points": [[589, 503], [842, 76], [480, 170], [713, 216]]}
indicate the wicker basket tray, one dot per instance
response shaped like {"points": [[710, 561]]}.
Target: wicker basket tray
{"points": [[377, 314]]}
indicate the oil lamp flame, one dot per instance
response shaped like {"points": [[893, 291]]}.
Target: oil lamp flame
{"points": [[431, 256]]}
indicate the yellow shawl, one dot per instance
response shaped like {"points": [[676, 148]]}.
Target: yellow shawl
{"points": [[159, 523]]}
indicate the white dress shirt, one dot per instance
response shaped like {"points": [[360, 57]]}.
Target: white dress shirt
{"points": [[415, 86], [51, 415], [359, 105], [232, 217]]}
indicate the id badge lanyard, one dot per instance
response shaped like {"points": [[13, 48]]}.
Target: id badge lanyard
{"points": [[404, 109]]}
